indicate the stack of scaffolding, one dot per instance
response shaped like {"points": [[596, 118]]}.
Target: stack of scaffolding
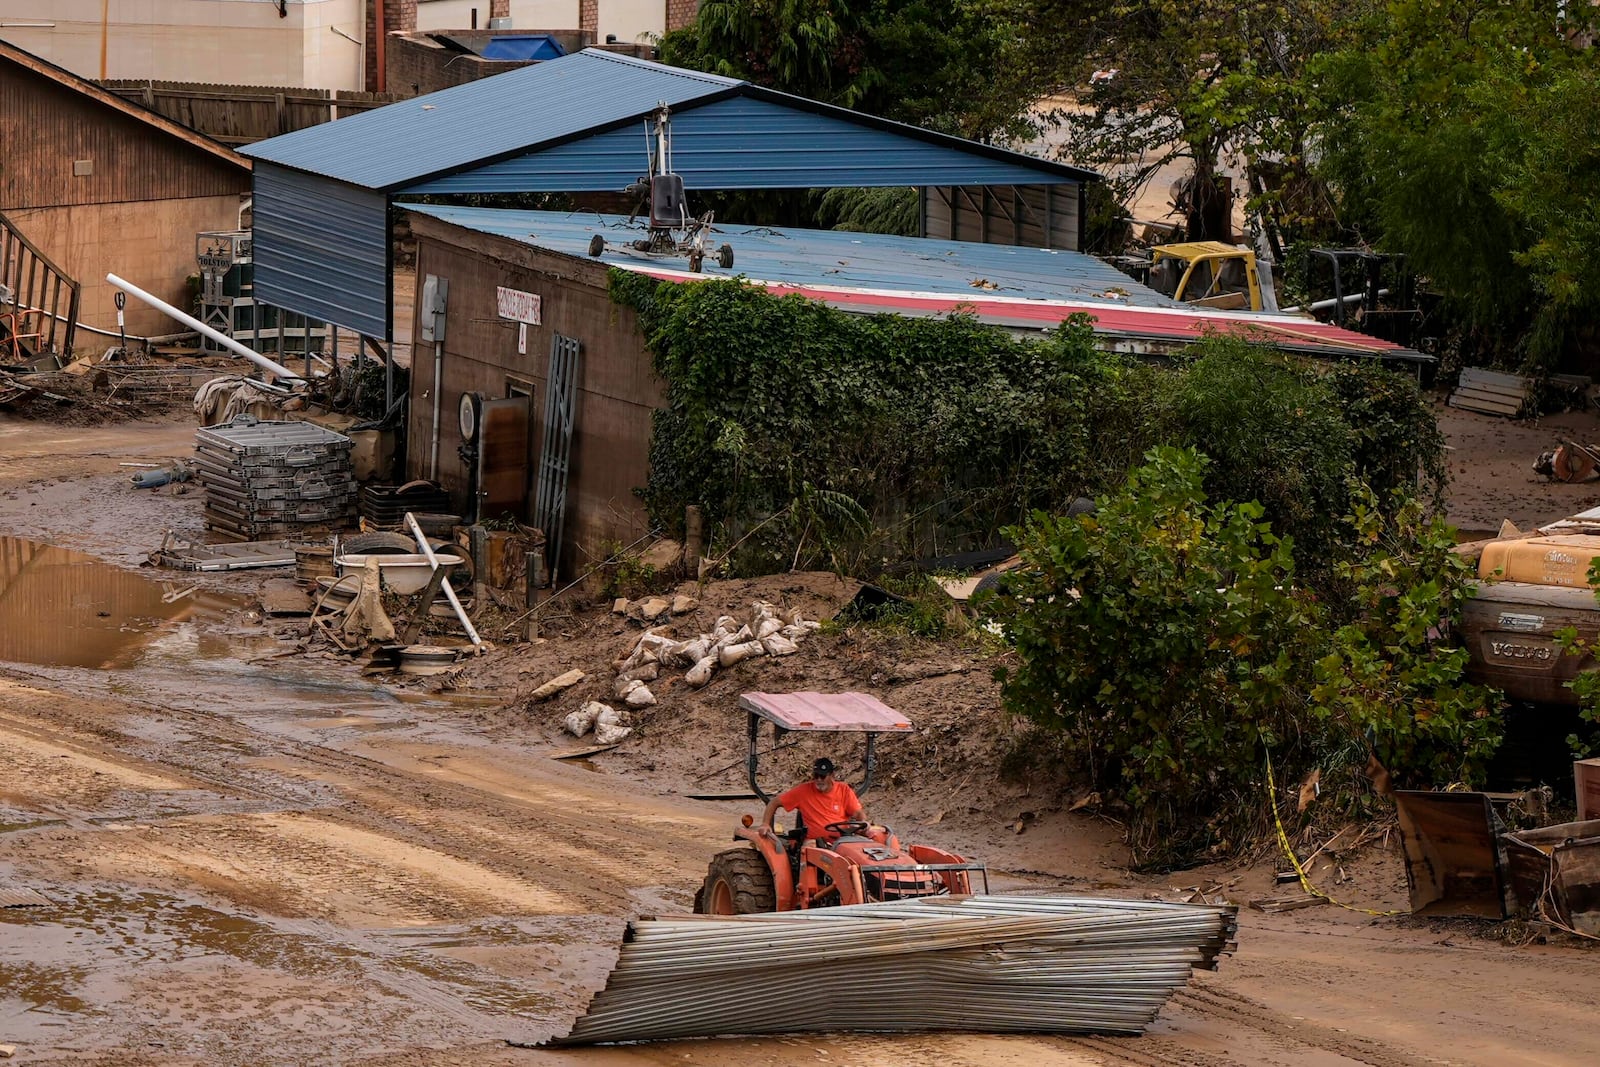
{"points": [[267, 480]]}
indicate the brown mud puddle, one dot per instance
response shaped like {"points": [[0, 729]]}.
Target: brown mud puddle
{"points": [[62, 608]]}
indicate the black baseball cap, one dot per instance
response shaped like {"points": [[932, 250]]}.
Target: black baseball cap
{"points": [[822, 767]]}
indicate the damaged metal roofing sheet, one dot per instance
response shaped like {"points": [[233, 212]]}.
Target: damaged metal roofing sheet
{"points": [[1025, 289], [835, 258], [1063, 964]]}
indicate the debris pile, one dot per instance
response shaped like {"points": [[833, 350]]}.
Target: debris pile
{"points": [[769, 631], [275, 479]]}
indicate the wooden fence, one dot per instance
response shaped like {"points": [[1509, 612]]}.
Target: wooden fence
{"points": [[240, 114]]}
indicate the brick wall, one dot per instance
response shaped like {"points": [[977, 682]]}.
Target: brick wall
{"points": [[499, 9], [417, 66], [589, 15], [399, 16], [681, 13]]}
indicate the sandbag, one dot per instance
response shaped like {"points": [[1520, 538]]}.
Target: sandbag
{"points": [[779, 645], [731, 654], [701, 672], [582, 721], [610, 735]]}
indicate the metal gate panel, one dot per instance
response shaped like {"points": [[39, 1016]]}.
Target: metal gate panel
{"points": [[322, 248], [555, 458], [503, 457]]}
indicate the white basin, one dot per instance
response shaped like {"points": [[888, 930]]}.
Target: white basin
{"points": [[405, 572]]}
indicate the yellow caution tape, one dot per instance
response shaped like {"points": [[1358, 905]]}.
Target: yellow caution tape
{"points": [[1294, 861]]}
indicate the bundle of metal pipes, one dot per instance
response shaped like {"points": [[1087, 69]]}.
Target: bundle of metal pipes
{"points": [[1004, 963]]}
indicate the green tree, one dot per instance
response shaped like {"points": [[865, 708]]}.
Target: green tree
{"points": [[1463, 133], [931, 64], [1186, 81]]}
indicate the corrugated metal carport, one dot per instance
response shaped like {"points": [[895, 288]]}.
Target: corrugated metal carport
{"points": [[576, 124]]}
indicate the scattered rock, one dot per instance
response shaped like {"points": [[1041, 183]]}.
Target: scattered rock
{"points": [[663, 555], [557, 684], [619, 606], [653, 608], [682, 605]]}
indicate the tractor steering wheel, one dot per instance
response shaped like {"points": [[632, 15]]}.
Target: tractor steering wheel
{"points": [[848, 826]]}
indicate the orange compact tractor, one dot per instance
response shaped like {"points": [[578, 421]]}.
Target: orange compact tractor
{"points": [[842, 863]]}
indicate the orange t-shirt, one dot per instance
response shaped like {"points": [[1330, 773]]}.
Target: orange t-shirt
{"points": [[819, 808]]}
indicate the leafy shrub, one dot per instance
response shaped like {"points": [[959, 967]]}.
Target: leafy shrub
{"points": [[1171, 645], [1391, 678], [1163, 636]]}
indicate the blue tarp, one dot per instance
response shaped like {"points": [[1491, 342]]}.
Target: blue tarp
{"points": [[524, 46]]}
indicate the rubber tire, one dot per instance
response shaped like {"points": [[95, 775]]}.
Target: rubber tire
{"points": [[747, 879], [725, 257]]}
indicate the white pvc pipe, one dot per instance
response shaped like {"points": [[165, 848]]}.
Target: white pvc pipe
{"points": [[193, 323], [422, 543]]}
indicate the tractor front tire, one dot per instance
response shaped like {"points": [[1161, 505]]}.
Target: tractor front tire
{"points": [[738, 882]]}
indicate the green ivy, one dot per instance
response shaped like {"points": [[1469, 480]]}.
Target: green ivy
{"points": [[812, 437]]}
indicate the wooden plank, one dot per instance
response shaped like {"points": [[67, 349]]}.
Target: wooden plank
{"points": [[579, 753], [1483, 408], [1494, 390], [1277, 904], [1490, 399], [1490, 377]]}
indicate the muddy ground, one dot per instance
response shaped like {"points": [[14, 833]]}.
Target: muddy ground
{"points": [[246, 851]]}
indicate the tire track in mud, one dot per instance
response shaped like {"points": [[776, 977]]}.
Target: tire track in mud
{"points": [[1238, 1010], [590, 857], [1148, 1051]]}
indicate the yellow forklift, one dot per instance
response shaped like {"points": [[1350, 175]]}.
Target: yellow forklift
{"points": [[1206, 274]]}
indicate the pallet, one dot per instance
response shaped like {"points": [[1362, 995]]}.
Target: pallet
{"points": [[1490, 392]]}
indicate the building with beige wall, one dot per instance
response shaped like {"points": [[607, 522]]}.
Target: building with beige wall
{"points": [[101, 185], [307, 44], [629, 21], [475, 14]]}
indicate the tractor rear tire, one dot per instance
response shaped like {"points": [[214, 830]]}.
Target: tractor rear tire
{"points": [[738, 882]]}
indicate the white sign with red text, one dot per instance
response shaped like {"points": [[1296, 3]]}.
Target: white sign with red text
{"points": [[518, 306]]}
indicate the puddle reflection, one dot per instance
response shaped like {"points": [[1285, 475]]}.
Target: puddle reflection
{"points": [[66, 609]]}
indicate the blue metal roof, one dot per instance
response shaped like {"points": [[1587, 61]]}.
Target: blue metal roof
{"points": [[498, 134], [832, 258], [740, 143]]}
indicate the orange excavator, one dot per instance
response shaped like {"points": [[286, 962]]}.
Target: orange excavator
{"points": [[842, 863]]}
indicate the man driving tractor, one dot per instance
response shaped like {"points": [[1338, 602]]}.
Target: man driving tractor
{"points": [[822, 802]]}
